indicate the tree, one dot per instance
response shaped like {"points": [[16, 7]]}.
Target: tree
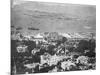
{"points": [[82, 46], [64, 39]]}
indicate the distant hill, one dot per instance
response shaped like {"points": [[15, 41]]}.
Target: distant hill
{"points": [[53, 17]]}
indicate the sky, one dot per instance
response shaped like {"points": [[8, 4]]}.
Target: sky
{"points": [[90, 2], [53, 17]]}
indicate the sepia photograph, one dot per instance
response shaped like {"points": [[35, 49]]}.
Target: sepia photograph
{"points": [[49, 37]]}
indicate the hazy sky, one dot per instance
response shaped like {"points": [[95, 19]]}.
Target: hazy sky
{"points": [[54, 17], [90, 2]]}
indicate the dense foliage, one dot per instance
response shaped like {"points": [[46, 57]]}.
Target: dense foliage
{"points": [[57, 54]]}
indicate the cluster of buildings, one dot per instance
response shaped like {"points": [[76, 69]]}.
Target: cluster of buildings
{"points": [[54, 52]]}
